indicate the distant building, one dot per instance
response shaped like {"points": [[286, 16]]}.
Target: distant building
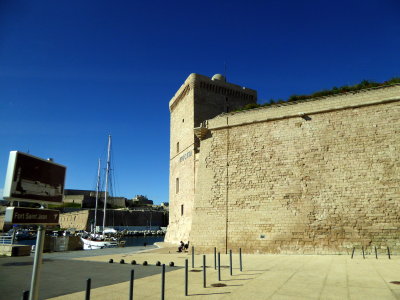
{"points": [[139, 200], [87, 199]]}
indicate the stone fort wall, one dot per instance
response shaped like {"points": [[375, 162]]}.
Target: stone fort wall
{"points": [[318, 176], [82, 220]]}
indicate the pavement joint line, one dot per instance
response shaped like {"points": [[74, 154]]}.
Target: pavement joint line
{"points": [[325, 279], [347, 278], [386, 283], [291, 276]]}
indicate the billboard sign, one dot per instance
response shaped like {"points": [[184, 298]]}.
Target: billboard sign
{"points": [[31, 216], [33, 179]]}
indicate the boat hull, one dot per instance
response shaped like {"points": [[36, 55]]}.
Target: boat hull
{"points": [[93, 245]]}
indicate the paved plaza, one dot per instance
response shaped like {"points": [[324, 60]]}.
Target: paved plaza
{"points": [[263, 276]]}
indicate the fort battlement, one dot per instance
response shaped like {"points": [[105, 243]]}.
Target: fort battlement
{"points": [[295, 109]]}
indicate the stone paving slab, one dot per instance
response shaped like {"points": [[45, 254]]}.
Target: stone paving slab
{"points": [[263, 277]]}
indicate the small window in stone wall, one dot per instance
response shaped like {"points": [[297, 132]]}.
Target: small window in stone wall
{"points": [[177, 147], [182, 210], [177, 185]]}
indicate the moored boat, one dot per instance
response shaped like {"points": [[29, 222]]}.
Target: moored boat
{"points": [[92, 242], [95, 240]]}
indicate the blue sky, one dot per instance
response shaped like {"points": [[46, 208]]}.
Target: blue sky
{"points": [[72, 72]]}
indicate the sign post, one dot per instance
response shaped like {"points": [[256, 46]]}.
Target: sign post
{"points": [[37, 263], [33, 179]]}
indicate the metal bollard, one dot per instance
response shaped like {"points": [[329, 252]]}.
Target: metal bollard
{"points": [[192, 257], [131, 285], [376, 253], [240, 259], [25, 295], [388, 252], [219, 266], [163, 282], [186, 276], [204, 271], [215, 258], [352, 253], [230, 262], [88, 284], [363, 252]]}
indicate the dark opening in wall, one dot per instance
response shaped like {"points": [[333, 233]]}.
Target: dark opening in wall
{"points": [[182, 210], [177, 185]]}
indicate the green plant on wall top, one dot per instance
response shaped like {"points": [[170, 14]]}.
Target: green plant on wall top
{"points": [[365, 84]]}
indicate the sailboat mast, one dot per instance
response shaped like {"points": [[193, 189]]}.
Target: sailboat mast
{"points": [[97, 196], [106, 188]]}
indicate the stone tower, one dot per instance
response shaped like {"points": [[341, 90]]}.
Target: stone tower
{"points": [[198, 99]]}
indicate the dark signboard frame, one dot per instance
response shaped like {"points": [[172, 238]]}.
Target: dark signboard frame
{"points": [[31, 216], [33, 179]]}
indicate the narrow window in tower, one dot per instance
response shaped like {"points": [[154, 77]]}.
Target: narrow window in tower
{"points": [[181, 209], [177, 185], [177, 147]]}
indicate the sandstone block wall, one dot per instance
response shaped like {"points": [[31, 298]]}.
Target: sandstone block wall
{"points": [[82, 220], [314, 177], [78, 220], [181, 180], [1, 222]]}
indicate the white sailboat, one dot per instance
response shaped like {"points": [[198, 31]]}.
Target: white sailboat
{"points": [[95, 240]]}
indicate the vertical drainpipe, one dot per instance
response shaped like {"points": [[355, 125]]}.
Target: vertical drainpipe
{"points": [[194, 167], [194, 187], [226, 187]]}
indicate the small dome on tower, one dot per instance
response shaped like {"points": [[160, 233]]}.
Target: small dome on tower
{"points": [[218, 77]]}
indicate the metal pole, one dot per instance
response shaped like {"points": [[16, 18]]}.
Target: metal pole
{"points": [[363, 252], [230, 261], [37, 262], [219, 266], [215, 258], [88, 284], [376, 253], [13, 236], [131, 285], [192, 257], [106, 184], [163, 282], [97, 196], [204, 271], [388, 251], [186, 276], [240, 259], [352, 253], [25, 295]]}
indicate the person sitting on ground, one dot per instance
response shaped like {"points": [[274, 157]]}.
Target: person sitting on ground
{"points": [[180, 248]]}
